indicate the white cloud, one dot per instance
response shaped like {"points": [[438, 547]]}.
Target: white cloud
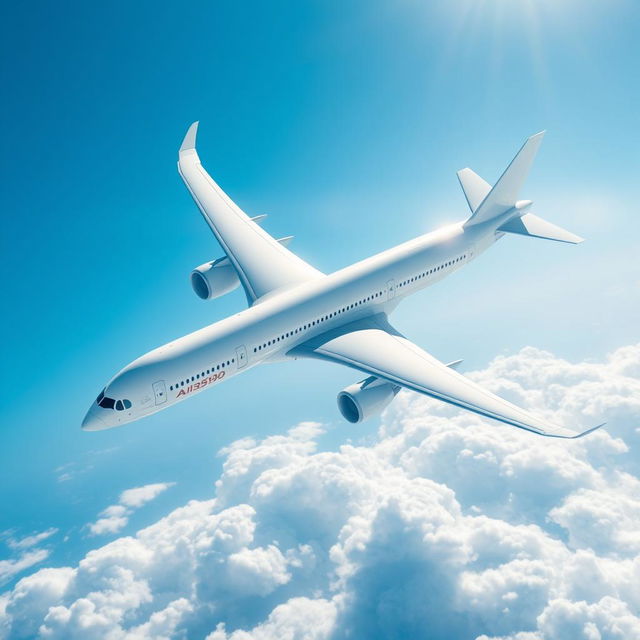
{"points": [[32, 540], [447, 526], [26, 553], [297, 619], [32, 597], [162, 624], [10, 568], [257, 571], [139, 496], [608, 618], [604, 519], [115, 517]]}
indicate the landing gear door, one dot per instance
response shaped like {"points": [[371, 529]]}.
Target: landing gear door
{"points": [[160, 392], [241, 356]]}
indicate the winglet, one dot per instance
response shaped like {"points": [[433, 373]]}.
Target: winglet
{"points": [[588, 431], [189, 141], [573, 436]]}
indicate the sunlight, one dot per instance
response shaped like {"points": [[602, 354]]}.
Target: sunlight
{"points": [[493, 31]]}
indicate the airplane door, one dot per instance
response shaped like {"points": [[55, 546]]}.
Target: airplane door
{"points": [[241, 356], [391, 289], [160, 392]]}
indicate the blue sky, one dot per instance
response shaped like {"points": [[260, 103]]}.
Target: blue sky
{"points": [[345, 122]]}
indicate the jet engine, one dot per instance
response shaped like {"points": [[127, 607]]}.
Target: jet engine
{"points": [[365, 399], [214, 279]]}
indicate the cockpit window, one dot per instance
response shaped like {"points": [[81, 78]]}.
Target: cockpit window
{"points": [[110, 403], [106, 403]]}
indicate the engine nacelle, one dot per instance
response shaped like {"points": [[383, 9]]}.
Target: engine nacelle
{"points": [[214, 279], [365, 399]]}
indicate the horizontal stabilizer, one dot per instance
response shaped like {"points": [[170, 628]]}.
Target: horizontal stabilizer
{"points": [[474, 187], [531, 225]]}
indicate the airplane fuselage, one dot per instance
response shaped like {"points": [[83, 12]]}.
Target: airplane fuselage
{"points": [[271, 329]]}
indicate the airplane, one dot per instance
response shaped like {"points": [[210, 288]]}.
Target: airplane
{"points": [[296, 311]]}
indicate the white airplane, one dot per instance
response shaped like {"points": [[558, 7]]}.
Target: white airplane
{"points": [[296, 311]]}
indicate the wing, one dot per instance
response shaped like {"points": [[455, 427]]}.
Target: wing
{"points": [[263, 264], [375, 347]]}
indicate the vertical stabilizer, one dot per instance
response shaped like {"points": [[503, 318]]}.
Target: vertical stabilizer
{"points": [[504, 194]]}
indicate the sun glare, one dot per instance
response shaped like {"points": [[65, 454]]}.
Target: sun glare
{"points": [[492, 32]]}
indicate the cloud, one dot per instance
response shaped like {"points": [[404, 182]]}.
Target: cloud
{"points": [[604, 519], [445, 526], [10, 568], [26, 553], [88, 461], [31, 540], [139, 496], [115, 517], [299, 618], [32, 598]]}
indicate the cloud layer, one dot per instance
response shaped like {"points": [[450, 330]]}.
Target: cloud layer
{"points": [[447, 526]]}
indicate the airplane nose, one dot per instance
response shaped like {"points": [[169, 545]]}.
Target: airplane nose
{"points": [[92, 421]]}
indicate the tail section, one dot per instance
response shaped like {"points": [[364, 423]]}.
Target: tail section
{"points": [[489, 203], [504, 194]]}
